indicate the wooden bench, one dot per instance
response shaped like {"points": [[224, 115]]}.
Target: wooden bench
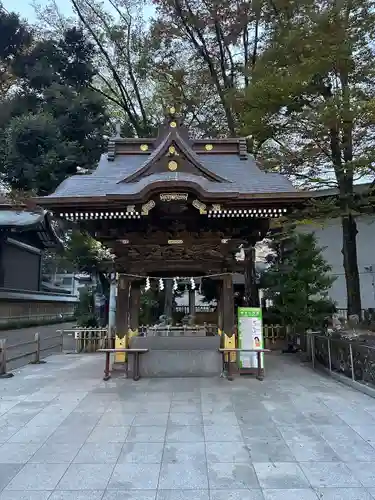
{"points": [[259, 360], [136, 353]]}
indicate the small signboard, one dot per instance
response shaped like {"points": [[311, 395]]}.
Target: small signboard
{"points": [[250, 336]]}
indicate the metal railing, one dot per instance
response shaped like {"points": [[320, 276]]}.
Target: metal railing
{"points": [[36, 350], [352, 359]]}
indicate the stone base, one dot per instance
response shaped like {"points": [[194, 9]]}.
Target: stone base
{"points": [[178, 356]]}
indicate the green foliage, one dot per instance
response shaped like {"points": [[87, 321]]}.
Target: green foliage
{"points": [[15, 38], [297, 281], [54, 123], [85, 314], [310, 108], [86, 254]]}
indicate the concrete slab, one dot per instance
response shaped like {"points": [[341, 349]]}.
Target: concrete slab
{"points": [[65, 434]]}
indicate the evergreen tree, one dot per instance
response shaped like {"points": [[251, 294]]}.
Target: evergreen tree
{"points": [[55, 123], [310, 109], [297, 281]]}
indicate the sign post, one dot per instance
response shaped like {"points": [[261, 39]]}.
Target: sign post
{"points": [[250, 336]]}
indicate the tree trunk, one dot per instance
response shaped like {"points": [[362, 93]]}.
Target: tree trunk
{"points": [[349, 251], [251, 295], [168, 299]]}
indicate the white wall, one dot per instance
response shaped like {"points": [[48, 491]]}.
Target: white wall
{"points": [[329, 235]]}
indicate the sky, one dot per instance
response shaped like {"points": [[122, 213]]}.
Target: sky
{"points": [[25, 8]]}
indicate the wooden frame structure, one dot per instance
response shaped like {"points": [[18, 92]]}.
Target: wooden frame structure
{"points": [[174, 206]]}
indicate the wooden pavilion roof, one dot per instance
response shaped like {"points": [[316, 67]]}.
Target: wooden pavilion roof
{"points": [[133, 170]]}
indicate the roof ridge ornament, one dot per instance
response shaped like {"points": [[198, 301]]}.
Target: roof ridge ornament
{"points": [[168, 144]]}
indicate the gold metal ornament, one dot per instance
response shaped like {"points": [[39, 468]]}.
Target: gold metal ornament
{"points": [[208, 147], [172, 110], [173, 124], [172, 150], [144, 147], [172, 165]]}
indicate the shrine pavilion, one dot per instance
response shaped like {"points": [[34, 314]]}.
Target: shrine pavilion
{"points": [[176, 206]]}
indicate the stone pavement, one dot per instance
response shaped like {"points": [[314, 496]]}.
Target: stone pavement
{"points": [[67, 435], [14, 337]]}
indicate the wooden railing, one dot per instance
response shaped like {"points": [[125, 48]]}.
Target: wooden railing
{"points": [[35, 350]]}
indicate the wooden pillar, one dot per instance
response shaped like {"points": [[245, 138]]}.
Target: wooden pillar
{"points": [[135, 304], [112, 306], [122, 307], [192, 306], [251, 296], [220, 302], [228, 305], [168, 299]]}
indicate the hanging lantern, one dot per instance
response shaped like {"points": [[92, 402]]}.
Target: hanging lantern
{"points": [[175, 285], [161, 284], [192, 284], [148, 285]]}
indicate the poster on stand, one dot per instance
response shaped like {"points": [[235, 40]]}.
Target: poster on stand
{"points": [[250, 335]]}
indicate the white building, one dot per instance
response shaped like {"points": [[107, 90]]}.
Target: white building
{"points": [[329, 236]]}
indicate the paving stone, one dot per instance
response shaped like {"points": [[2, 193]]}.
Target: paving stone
{"points": [[18, 453], [189, 406], [129, 495], [237, 495], [294, 416], [184, 433], [86, 477], [104, 434], [182, 495], [154, 419], [222, 452], [184, 452], [25, 495], [32, 434], [348, 444], [282, 475], [293, 494], [363, 471], [218, 433], [329, 475], [37, 477], [84, 419], [146, 434], [268, 450], [306, 445], [185, 475], [232, 476], [17, 419], [55, 453], [7, 472], [366, 432], [222, 419], [7, 432], [116, 419], [185, 419], [98, 453], [343, 494], [135, 477], [153, 408], [141, 453], [71, 434], [76, 495]]}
